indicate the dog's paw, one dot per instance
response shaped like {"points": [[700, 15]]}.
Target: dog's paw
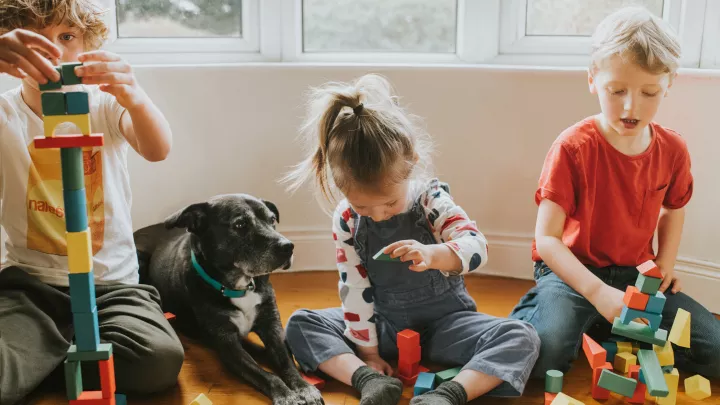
{"points": [[310, 395], [288, 398]]}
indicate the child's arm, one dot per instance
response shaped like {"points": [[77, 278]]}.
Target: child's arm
{"points": [[19, 56], [670, 227]]}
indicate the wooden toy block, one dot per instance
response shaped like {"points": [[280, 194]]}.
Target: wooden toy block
{"points": [[595, 353], [636, 347], [201, 400], [170, 316], [92, 398], [648, 285], [69, 141], [628, 314], [697, 387], [408, 369], [564, 399], [408, 381], [653, 374], [53, 103], [82, 292], [597, 391], [611, 350], [408, 339], [75, 210], [425, 382], [68, 73], [79, 252], [623, 361], [50, 85], [639, 331], [665, 354], [624, 347], [667, 369], [107, 377], [553, 381], [649, 269], [446, 375], [635, 299], [639, 394], [672, 380], [656, 303], [103, 352], [616, 383], [73, 169], [73, 379], [422, 369], [641, 377], [680, 331], [314, 380], [634, 371], [410, 355], [549, 397], [77, 102], [51, 121], [120, 399], [385, 258], [87, 336]]}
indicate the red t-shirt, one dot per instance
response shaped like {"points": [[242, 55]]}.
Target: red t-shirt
{"points": [[612, 201]]}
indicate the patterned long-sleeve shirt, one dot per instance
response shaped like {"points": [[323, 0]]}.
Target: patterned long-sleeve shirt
{"points": [[450, 225]]}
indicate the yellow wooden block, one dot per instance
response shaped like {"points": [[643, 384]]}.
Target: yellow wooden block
{"points": [[79, 251], [623, 361], [672, 379], [680, 331], [563, 399], [697, 387], [201, 400], [665, 354], [624, 347], [51, 121]]}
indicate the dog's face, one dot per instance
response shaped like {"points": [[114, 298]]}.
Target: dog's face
{"points": [[237, 236]]}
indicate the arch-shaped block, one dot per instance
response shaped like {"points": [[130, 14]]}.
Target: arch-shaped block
{"points": [[51, 121]]}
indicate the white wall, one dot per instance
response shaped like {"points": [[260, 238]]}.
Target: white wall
{"points": [[235, 131]]}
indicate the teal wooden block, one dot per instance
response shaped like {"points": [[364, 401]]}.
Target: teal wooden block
{"points": [[446, 375], [103, 352], [553, 381], [385, 258], [53, 103], [648, 285], [656, 303], [75, 210], [87, 335], [77, 102], [667, 369], [82, 292], [68, 73], [611, 350], [640, 332], [53, 85], [628, 314], [641, 377], [120, 399], [73, 379], [73, 169], [616, 383], [424, 383], [653, 374]]}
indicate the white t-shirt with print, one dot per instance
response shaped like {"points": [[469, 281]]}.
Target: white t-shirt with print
{"points": [[32, 211]]}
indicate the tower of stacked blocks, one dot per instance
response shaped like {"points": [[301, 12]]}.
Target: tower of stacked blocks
{"points": [[59, 107], [410, 372]]}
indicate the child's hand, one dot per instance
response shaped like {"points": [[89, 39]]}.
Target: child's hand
{"points": [[412, 250], [374, 361], [608, 301], [19, 57], [114, 75], [669, 278]]}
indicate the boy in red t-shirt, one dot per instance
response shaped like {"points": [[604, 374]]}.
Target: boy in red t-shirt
{"points": [[607, 183]]}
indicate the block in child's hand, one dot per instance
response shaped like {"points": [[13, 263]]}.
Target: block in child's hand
{"points": [[385, 257], [68, 73]]}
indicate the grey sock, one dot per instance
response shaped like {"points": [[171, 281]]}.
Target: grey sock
{"points": [[447, 393], [375, 388]]}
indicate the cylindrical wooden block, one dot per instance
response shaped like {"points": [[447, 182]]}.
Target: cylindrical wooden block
{"points": [[73, 172], [553, 381], [75, 210]]}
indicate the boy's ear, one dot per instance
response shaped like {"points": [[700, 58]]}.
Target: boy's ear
{"points": [[670, 83], [591, 83]]}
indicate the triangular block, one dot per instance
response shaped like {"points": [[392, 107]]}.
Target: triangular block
{"points": [[649, 269], [596, 355], [680, 331]]}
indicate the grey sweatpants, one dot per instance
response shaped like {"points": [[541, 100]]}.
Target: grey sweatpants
{"points": [[36, 331]]}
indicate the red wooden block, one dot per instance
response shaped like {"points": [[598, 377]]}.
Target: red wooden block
{"points": [[649, 269], [595, 353], [107, 377], [422, 369], [639, 394], [408, 381], [635, 299], [634, 372], [599, 392], [316, 381], [549, 397], [410, 355], [408, 369], [69, 141], [407, 339], [169, 316], [92, 398]]}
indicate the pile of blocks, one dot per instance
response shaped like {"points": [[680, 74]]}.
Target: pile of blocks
{"points": [[410, 372], [59, 107]]}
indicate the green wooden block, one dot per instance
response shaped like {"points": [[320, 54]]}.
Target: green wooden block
{"points": [[628, 314], [616, 383], [73, 169], [77, 102], [553, 381], [103, 352], [652, 373], [656, 303], [639, 331], [53, 85], [385, 258], [68, 73], [73, 379], [446, 375], [667, 369], [53, 103], [648, 285], [120, 399]]}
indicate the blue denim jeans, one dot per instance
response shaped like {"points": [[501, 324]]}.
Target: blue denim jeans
{"points": [[561, 316]]}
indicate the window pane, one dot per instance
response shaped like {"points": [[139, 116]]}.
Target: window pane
{"points": [[379, 25], [573, 17], [179, 18]]}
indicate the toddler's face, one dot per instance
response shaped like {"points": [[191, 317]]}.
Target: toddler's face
{"points": [[629, 96], [382, 204]]}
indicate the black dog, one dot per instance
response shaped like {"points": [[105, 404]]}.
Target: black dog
{"points": [[211, 263]]}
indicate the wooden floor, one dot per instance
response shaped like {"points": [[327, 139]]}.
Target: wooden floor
{"points": [[202, 372]]}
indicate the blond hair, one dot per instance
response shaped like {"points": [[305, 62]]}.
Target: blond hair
{"points": [[637, 34], [37, 14], [359, 137]]}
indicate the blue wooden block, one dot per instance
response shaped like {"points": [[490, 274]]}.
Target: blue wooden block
{"points": [[628, 314], [425, 382], [611, 350], [77, 102], [120, 399], [68, 73], [648, 285], [641, 377], [656, 303], [75, 210], [653, 375], [617, 383], [103, 352], [87, 334], [82, 292]]}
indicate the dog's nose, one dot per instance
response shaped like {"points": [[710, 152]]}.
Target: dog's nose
{"points": [[285, 248]]}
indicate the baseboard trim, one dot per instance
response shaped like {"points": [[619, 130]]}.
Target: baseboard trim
{"points": [[509, 257]]}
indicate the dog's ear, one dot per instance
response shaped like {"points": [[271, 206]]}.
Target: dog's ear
{"points": [[273, 208], [193, 217]]}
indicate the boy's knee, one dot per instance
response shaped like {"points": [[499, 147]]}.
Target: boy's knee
{"points": [[155, 370], [293, 330]]}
